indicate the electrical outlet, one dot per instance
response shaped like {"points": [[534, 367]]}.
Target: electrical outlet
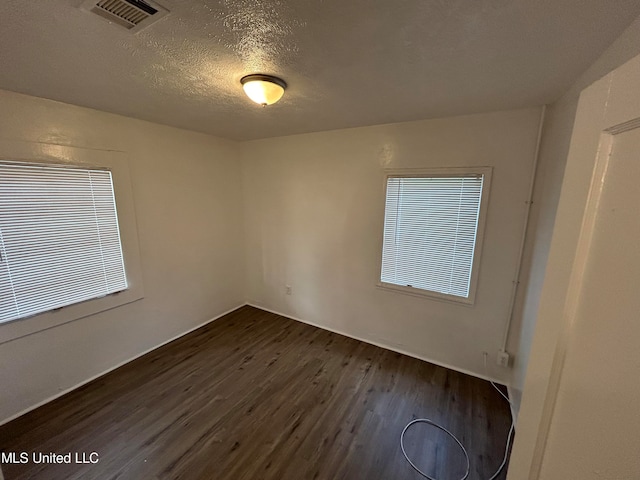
{"points": [[287, 289], [503, 358]]}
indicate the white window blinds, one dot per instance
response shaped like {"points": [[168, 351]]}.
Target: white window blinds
{"points": [[59, 238], [430, 232]]}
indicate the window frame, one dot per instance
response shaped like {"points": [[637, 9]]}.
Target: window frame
{"points": [[75, 157], [486, 172]]}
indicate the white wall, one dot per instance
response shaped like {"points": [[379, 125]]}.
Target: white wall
{"points": [[187, 192], [553, 154], [314, 215], [552, 157]]}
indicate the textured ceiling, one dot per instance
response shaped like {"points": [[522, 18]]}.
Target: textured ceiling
{"points": [[347, 62]]}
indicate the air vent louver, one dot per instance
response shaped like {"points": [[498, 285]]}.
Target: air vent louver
{"points": [[134, 15]]}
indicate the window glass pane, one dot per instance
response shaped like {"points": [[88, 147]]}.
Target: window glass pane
{"points": [[59, 238], [430, 232]]}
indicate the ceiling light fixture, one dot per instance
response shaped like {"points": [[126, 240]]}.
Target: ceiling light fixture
{"points": [[263, 89]]}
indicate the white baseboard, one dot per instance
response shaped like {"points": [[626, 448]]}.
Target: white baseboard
{"points": [[381, 345], [84, 382]]}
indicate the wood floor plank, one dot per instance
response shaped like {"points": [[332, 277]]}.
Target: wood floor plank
{"points": [[256, 396]]}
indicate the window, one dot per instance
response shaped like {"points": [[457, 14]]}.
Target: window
{"points": [[59, 238], [432, 229]]}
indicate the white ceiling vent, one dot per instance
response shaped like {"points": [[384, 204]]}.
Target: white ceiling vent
{"points": [[134, 15]]}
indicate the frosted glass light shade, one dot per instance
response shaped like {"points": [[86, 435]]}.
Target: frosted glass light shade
{"points": [[263, 89]]}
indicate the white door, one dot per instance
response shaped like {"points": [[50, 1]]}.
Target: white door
{"points": [[587, 404]]}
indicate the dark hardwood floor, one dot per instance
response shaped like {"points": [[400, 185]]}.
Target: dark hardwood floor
{"points": [[258, 396]]}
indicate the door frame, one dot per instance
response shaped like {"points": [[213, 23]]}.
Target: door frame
{"points": [[604, 110]]}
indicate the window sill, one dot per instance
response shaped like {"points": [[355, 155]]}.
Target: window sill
{"points": [[22, 327], [426, 294]]}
